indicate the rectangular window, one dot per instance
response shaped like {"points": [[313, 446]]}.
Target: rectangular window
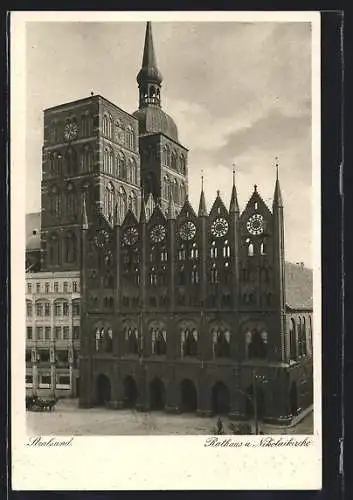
{"points": [[47, 332], [47, 309], [29, 309], [65, 287], [47, 287], [76, 332], [29, 287], [39, 332], [29, 379], [29, 333], [76, 308], [44, 355], [45, 380], [37, 287], [56, 286], [58, 309], [39, 309], [66, 308], [64, 379], [66, 333], [58, 332], [75, 286], [28, 355]]}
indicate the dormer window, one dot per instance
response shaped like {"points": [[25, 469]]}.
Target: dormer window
{"points": [[256, 205]]}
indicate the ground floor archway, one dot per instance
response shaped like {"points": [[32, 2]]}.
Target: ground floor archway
{"points": [[157, 394], [103, 390], [220, 399], [260, 402], [130, 392], [293, 398], [188, 396]]}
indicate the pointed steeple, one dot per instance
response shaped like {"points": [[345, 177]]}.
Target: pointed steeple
{"points": [[143, 216], [277, 197], [202, 204], [149, 77], [84, 214], [171, 215], [234, 207]]}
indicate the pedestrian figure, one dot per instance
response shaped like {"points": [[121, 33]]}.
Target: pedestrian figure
{"points": [[219, 426]]}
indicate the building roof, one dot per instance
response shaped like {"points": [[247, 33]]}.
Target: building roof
{"points": [[153, 120], [33, 225], [299, 286]]}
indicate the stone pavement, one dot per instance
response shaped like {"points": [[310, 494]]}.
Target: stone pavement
{"points": [[68, 419]]}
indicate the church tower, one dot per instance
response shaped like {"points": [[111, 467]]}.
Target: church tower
{"points": [[163, 158]]}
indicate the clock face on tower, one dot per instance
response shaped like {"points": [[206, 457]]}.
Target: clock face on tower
{"points": [[70, 131], [130, 236], [255, 224], [101, 238], [219, 227], [158, 233], [187, 231]]}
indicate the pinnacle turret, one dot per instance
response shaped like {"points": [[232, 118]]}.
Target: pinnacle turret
{"points": [[202, 204], [171, 215], [234, 206]]}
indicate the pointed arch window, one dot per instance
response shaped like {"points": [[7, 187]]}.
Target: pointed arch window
{"points": [[226, 250], [159, 341], [304, 346], [181, 253], [194, 251], [174, 160], [164, 255], [70, 158], [131, 339], [109, 201], [181, 274], [251, 249], [70, 248], [263, 248], [221, 343], [194, 275], [182, 164], [105, 125], [214, 250], [153, 277], [70, 204], [130, 138], [257, 348], [189, 342], [121, 202], [214, 274]]}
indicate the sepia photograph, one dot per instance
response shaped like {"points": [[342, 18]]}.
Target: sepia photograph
{"points": [[169, 209]]}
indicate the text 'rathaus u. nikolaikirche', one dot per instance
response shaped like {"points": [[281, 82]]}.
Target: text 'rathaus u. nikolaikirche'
{"points": [[180, 309]]}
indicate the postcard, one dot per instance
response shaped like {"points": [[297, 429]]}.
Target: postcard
{"points": [[166, 250]]}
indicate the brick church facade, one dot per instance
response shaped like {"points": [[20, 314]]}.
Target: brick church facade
{"points": [[180, 310]]}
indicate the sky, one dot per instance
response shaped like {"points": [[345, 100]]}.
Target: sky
{"points": [[239, 92]]}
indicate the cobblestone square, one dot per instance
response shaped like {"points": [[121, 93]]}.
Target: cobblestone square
{"points": [[69, 420]]}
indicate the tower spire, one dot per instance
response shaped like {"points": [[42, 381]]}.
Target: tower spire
{"points": [[149, 77], [277, 197], [234, 206], [202, 205]]}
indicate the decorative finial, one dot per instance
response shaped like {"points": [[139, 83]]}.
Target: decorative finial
{"points": [[233, 173], [277, 166], [92, 93], [201, 180], [255, 187], [218, 192]]}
